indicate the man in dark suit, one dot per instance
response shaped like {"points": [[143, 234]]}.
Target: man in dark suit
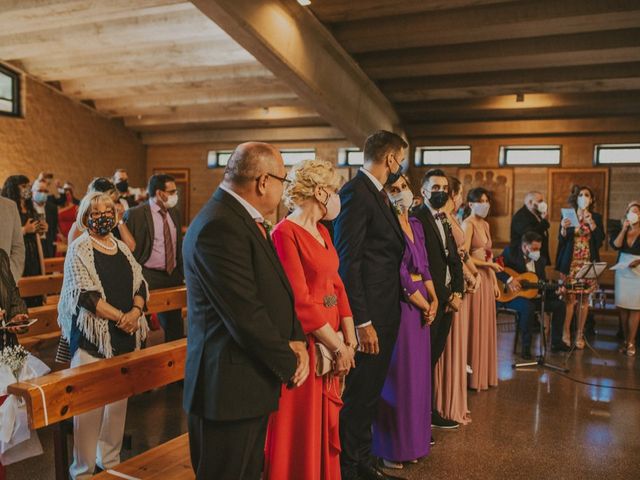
{"points": [[532, 217], [244, 338], [527, 257], [121, 182], [157, 230], [47, 210], [370, 244], [445, 267]]}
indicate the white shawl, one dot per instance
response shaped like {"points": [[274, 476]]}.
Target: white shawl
{"points": [[80, 276]]}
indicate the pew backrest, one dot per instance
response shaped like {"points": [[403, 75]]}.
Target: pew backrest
{"points": [[63, 394], [53, 265], [40, 285]]}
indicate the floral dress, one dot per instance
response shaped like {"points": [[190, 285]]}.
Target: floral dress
{"points": [[581, 255]]}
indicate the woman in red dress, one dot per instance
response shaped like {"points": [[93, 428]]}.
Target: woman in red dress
{"points": [[303, 438]]}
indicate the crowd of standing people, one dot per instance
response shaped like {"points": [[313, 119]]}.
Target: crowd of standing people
{"points": [[342, 335]]}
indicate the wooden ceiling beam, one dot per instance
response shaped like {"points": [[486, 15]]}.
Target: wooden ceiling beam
{"points": [[243, 135], [97, 37], [524, 128], [611, 46], [332, 11], [110, 84], [34, 15], [487, 22], [287, 39], [234, 124], [625, 76], [223, 115]]}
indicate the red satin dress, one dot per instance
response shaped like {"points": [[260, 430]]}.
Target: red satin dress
{"points": [[303, 439]]}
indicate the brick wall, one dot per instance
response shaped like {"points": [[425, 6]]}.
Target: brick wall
{"points": [[63, 137]]}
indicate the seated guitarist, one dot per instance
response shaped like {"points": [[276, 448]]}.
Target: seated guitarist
{"points": [[522, 258]]}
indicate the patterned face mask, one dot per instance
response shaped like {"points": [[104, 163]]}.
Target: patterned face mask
{"points": [[101, 225]]}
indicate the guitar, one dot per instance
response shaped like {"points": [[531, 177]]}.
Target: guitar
{"points": [[531, 286]]}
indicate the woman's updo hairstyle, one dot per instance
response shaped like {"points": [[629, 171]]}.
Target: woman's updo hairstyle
{"points": [[305, 177]]}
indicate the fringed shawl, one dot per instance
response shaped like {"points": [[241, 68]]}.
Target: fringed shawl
{"points": [[80, 275]]}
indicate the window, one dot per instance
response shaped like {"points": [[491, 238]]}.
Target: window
{"points": [[293, 156], [617, 154], [530, 155], [9, 92], [350, 157], [218, 158], [453, 155]]}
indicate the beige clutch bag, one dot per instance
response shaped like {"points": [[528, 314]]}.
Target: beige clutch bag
{"points": [[325, 362]]}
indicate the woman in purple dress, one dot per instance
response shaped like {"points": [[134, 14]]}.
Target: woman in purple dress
{"points": [[402, 429]]}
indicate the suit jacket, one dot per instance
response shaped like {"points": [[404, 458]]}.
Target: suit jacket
{"points": [[370, 244], [514, 259], [438, 258], [11, 239], [241, 316], [565, 245], [139, 220], [524, 221]]}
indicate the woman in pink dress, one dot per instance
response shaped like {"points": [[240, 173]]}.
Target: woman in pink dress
{"points": [[483, 344], [450, 382]]}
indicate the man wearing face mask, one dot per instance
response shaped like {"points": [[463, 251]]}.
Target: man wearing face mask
{"points": [[47, 211], [157, 229], [445, 266], [532, 217], [527, 257], [370, 245], [121, 181]]}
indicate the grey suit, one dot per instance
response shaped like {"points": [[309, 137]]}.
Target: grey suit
{"points": [[139, 220], [11, 239]]}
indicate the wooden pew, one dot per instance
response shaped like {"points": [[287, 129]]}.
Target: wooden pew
{"points": [[46, 328], [53, 265], [40, 285], [55, 397]]}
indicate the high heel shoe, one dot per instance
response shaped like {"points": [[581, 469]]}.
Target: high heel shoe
{"points": [[623, 348], [566, 339], [392, 465], [631, 350], [580, 341]]}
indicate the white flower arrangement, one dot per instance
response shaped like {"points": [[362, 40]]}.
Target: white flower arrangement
{"points": [[14, 357]]}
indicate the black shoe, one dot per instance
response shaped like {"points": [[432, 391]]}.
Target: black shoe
{"points": [[560, 347], [367, 472], [438, 422], [432, 441]]}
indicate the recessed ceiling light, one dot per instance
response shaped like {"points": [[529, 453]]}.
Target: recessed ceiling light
{"points": [[304, 3]]}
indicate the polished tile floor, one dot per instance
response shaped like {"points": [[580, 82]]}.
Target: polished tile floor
{"points": [[536, 424]]}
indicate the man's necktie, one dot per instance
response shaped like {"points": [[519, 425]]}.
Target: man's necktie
{"points": [[262, 229], [169, 251], [385, 198]]}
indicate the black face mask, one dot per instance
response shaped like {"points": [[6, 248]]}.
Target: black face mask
{"points": [[122, 186], [394, 177], [438, 199], [101, 225]]}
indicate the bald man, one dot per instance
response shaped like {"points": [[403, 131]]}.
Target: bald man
{"points": [[244, 339], [532, 217]]}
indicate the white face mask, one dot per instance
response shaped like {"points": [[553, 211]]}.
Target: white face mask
{"points": [[403, 200], [543, 207], [583, 202], [172, 201], [534, 255], [480, 209], [332, 206], [633, 218]]}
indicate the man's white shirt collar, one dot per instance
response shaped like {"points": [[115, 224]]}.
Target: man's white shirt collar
{"points": [[375, 181], [251, 210]]}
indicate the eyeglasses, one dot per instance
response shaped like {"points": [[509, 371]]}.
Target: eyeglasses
{"points": [[282, 179], [106, 213]]}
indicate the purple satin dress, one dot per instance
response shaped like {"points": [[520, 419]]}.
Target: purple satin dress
{"points": [[402, 429]]}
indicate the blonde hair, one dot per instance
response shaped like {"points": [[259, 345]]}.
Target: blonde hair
{"points": [[305, 177], [88, 203]]}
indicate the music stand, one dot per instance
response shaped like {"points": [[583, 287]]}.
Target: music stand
{"points": [[589, 271], [541, 360]]}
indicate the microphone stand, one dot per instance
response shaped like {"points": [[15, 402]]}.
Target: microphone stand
{"points": [[541, 360]]}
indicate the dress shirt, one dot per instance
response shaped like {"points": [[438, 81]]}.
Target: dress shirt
{"points": [[443, 236], [157, 258], [251, 210]]}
